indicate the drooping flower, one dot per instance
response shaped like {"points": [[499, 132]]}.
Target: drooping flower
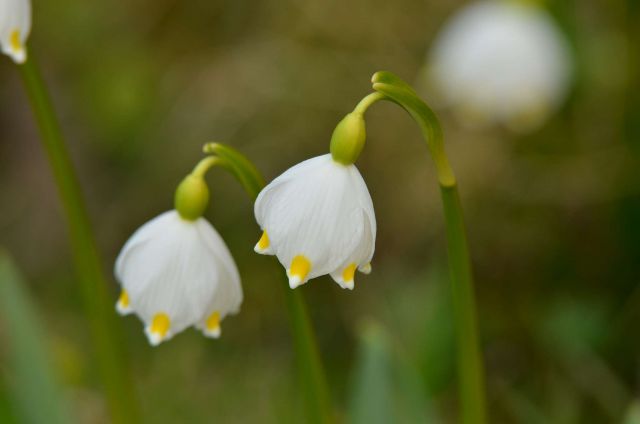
{"points": [[15, 25], [177, 272], [501, 62], [317, 217]]}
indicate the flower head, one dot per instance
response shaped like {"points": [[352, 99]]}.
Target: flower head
{"points": [[501, 62], [318, 218], [176, 271], [15, 25]]}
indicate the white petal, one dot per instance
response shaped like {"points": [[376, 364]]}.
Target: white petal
{"points": [[213, 334], [180, 268], [123, 309], [154, 338], [15, 17], [501, 61], [365, 269], [228, 296], [295, 280], [259, 247]]}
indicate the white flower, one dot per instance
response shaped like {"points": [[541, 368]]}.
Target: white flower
{"points": [[15, 25], [502, 62], [318, 218], [176, 273]]}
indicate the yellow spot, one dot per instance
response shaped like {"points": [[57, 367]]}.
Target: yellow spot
{"points": [[213, 322], [160, 324], [348, 273], [263, 243], [124, 299], [14, 40], [300, 267]]}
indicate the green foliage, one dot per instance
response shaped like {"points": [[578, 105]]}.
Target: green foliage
{"points": [[385, 388], [37, 396]]}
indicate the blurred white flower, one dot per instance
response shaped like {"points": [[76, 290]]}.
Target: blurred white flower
{"points": [[175, 273], [15, 25], [501, 62], [317, 218]]}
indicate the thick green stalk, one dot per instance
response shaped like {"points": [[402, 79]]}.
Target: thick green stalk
{"points": [[470, 366], [310, 370], [92, 283]]}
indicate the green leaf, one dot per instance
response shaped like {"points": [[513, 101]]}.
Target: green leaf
{"points": [[632, 415], [34, 390], [386, 388], [239, 166], [437, 338], [372, 390]]}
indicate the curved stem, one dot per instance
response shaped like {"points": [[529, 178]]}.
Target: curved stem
{"points": [[308, 360], [205, 164], [470, 365], [92, 283], [367, 101]]}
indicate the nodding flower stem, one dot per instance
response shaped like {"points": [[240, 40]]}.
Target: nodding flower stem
{"points": [[367, 101], [92, 283], [205, 164], [470, 365], [315, 389]]}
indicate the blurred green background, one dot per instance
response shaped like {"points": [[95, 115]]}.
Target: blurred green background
{"points": [[553, 216]]}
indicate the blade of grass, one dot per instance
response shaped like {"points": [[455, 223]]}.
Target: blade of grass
{"points": [[386, 388], [92, 283], [37, 396]]}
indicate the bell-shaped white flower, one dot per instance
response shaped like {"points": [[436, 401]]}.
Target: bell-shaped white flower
{"points": [[176, 273], [317, 218], [15, 25], [501, 62]]}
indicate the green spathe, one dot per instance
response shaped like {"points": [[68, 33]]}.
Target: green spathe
{"points": [[192, 197], [348, 139]]}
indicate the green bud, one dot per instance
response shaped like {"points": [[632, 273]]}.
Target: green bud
{"points": [[348, 139], [192, 197]]}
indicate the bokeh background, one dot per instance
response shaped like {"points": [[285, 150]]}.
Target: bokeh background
{"points": [[553, 215]]}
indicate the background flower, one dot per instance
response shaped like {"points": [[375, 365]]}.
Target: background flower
{"points": [[501, 62]]}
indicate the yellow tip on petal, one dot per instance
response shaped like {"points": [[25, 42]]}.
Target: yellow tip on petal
{"points": [[263, 244], [212, 325], [365, 269], [158, 329], [348, 273], [123, 306], [14, 40], [298, 271]]}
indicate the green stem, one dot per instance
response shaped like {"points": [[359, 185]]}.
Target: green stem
{"points": [[92, 283], [470, 366], [205, 164], [308, 360], [310, 370], [367, 101]]}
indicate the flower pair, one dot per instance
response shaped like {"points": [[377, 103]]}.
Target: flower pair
{"points": [[177, 272]]}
